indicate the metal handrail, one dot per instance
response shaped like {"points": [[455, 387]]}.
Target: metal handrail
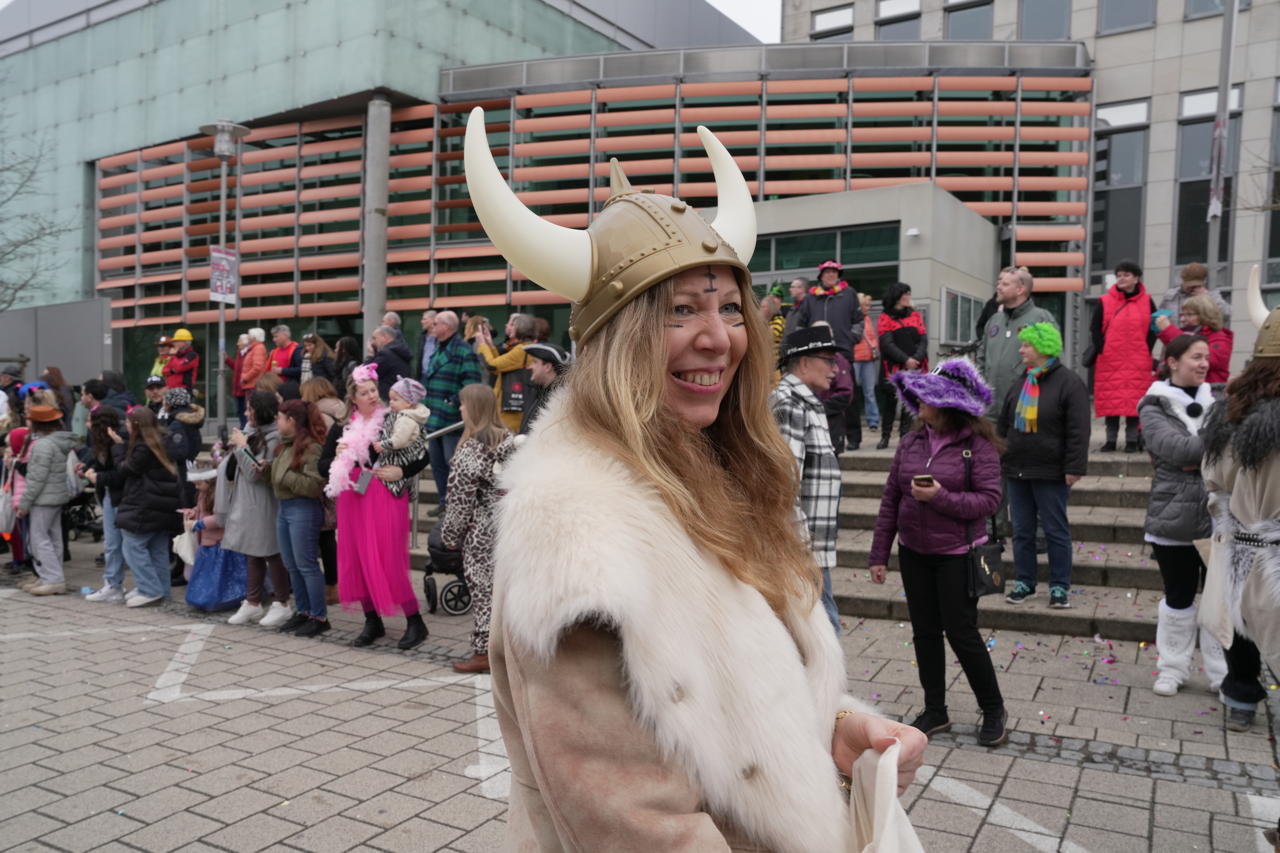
{"points": [[413, 492]]}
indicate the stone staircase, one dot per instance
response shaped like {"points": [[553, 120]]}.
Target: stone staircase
{"points": [[1115, 582]]}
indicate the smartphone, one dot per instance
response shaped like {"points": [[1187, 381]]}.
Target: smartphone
{"points": [[362, 484], [924, 480]]}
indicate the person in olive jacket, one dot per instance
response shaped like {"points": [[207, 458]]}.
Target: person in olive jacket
{"points": [[1045, 420], [298, 487]]}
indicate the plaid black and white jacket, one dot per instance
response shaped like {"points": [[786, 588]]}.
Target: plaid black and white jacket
{"points": [[803, 423]]}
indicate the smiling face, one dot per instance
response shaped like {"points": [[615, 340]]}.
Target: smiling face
{"points": [[706, 338], [1192, 368], [541, 372], [829, 277], [1126, 281]]}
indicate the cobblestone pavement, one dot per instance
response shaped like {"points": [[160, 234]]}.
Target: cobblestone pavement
{"points": [[160, 729]]}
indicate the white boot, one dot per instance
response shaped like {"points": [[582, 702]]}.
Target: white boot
{"points": [[1215, 660], [1176, 643]]}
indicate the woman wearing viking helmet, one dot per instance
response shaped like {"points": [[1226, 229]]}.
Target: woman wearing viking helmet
{"points": [[1241, 601], [664, 674]]}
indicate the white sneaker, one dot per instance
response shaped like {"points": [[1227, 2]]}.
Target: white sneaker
{"points": [[108, 593], [144, 601], [246, 614], [1166, 685], [130, 593], [277, 615]]}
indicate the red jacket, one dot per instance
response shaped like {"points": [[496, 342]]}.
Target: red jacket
{"points": [[180, 369], [1220, 341], [252, 366], [1122, 372], [236, 364]]}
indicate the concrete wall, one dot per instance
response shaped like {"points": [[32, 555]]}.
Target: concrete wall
{"points": [[74, 336], [1161, 62], [956, 248]]}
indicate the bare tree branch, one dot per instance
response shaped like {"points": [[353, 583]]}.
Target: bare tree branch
{"points": [[28, 234]]}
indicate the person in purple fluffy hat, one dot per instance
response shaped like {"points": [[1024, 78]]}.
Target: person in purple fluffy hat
{"points": [[937, 511]]}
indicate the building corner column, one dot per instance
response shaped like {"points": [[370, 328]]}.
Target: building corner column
{"points": [[373, 264]]}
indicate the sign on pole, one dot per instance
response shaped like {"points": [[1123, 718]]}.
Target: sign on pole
{"points": [[224, 275]]}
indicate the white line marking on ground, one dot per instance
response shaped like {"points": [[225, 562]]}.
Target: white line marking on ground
{"points": [[493, 771], [304, 689], [169, 685], [1017, 824]]}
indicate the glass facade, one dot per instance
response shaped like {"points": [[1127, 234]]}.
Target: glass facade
{"points": [[867, 253], [1120, 162], [1118, 15], [1044, 20]]}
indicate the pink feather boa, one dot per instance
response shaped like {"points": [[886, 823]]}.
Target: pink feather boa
{"points": [[358, 435]]}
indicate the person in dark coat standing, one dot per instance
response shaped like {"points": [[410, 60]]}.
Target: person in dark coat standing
{"points": [[833, 301], [1045, 419], [183, 419], [390, 357], [547, 365], [1121, 338], [151, 496], [938, 510], [904, 345]]}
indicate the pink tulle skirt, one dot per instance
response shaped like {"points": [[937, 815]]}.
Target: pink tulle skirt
{"points": [[373, 551]]}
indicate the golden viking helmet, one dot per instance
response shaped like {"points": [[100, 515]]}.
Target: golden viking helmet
{"points": [[638, 240], [1268, 322]]}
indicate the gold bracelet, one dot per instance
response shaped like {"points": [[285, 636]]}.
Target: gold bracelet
{"points": [[844, 783], [840, 715]]}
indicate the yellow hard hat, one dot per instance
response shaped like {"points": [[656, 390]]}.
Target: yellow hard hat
{"points": [[182, 335]]}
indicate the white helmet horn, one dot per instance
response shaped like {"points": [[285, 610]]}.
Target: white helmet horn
{"points": [[551, 255], [1258, 311], [735, 215]]}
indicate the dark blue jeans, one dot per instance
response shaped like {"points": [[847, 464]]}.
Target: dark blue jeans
{"points": [[1045, 501], [298, 530], [441, 451]]}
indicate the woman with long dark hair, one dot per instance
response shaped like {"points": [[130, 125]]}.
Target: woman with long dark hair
{"points": [[1172, 413], [469, 521], [52, 376], [317, 358], [99, 468], [149, 502], [298, 486], [937, 502], [1242, 475], [245, 498], [904, 345], [346, 358]]}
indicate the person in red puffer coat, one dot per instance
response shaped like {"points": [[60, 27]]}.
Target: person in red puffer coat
{"points": [[1201, 316], [1121, 342]]}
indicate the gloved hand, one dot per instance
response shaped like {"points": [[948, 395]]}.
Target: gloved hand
{"points": [[1164, 312]]}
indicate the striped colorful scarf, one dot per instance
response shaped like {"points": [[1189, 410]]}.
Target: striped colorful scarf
{"points": [[1026, 416]]}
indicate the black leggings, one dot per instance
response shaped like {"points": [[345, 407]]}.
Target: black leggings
{"points": [[938, 600], [1244, 666], [1113, 428], [887, 400], [1182, 572]]}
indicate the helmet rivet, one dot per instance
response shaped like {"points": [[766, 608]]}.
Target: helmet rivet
{"points": [[617, 288], [709, 245], [573, 333], [679, 206]]}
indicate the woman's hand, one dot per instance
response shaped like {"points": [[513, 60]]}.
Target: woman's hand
{"points": [[859, 732], [91, 475], [238, 439], [924, 494], [878, 573], [912, 364], [390, 473], [115, 436], [377, 447], [1163, 322]]}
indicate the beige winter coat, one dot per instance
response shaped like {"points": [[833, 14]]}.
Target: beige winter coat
{"points": [[649, 701]]}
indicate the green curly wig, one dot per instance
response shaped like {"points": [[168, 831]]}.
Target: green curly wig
{"points": [[1045, 337]]}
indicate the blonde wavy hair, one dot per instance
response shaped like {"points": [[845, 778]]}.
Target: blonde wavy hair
{"points": [[482, 421], [733, 485]]}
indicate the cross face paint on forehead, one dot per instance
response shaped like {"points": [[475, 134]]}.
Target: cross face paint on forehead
{"points": [[711, 281]]}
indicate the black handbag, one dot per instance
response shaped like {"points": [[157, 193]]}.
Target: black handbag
{"points": [[986, 562]]}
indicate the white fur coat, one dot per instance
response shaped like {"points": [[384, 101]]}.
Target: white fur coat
{"points": [[742, 703]]}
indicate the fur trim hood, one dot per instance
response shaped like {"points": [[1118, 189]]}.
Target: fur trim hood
{"points": [[739, 700], [418, 414], [192, 415], [1252, 441]]}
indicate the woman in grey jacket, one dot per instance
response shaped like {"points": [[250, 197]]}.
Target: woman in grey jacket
{"points": [[1172, 413], [245, 499], [46, 492]]}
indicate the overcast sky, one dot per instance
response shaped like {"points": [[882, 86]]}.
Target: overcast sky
{"points": [[762, 18]]}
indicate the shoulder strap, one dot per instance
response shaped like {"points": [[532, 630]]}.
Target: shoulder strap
{"points": [[967, 453]]}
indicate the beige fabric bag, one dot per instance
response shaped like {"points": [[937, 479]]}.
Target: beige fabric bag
{"points": [[880, 824]]}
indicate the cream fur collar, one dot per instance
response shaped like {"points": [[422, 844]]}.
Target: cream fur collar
{"points": [[742, 703]]}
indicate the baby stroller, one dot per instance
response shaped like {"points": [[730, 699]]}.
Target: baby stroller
{"points": [[455, 598], [80, 515]]}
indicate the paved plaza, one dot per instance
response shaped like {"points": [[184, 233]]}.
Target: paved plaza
{"points": [[160, 729]]}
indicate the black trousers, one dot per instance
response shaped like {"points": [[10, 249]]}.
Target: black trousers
{"points": [[1244, 666], [1113, 428], [1182, 571], [887, 401], [835, 410], [329, 556], [939, 603]]}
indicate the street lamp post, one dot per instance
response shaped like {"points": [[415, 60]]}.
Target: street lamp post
{"points": [[226, 144]]}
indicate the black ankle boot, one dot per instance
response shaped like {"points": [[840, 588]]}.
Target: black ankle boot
{"points": [[884, 440], [372, 630], [414, 633]]}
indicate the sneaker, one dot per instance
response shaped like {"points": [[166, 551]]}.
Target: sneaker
{"points": [[930, 722], [1108, 447], [246, 614], [1166, 685], [29, 583], [993, 732], [1239, 720], [130, 593], [1020, 593], [296, 621], [1058, 598], [145, 601], [277, 615], [48, 589], [109, 594], [312, 628]]}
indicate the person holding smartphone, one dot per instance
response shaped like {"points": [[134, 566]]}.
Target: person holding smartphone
{"points": [[937, 506]]}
